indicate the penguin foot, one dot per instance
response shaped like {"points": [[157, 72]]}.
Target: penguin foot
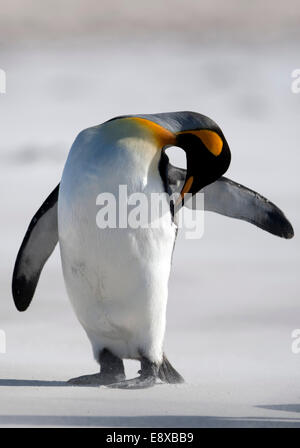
{"points": [[97, 379], [147, 378], [140, 382], [112, 371]]}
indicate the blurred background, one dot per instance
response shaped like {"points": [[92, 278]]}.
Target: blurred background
{"points": [[234, 294]]}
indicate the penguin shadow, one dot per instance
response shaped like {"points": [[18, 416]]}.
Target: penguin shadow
{"points": [[43, 383], [289, 407], [32, 383], [149, 421]]}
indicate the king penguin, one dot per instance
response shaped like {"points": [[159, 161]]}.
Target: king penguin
{"points": [[117, 278]]}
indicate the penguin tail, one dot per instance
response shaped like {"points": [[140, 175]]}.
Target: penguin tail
{"points": [[168, 374]]}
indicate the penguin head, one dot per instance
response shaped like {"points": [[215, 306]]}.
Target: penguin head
{"points": [[208, 157], [207, 151]]}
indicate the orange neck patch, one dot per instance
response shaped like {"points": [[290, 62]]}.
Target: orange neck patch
{"points": [[162, 136]]}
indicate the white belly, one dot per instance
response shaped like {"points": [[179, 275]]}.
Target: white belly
{"points": [[117, 279]]}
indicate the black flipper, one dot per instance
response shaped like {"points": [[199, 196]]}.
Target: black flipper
{"points": [[168, 374], [37, 246], [231, 199]]}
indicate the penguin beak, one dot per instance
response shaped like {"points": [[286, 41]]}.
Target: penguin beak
{"points": [[208, 158]]}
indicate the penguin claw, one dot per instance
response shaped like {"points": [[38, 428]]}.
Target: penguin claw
{"points": [[135, 383], [96, 379]]}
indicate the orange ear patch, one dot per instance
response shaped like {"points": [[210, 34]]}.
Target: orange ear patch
{"points": [[211, 140]]}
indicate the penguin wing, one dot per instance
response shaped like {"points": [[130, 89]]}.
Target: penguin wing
{"points": [[231, 199], [37, 246]]}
